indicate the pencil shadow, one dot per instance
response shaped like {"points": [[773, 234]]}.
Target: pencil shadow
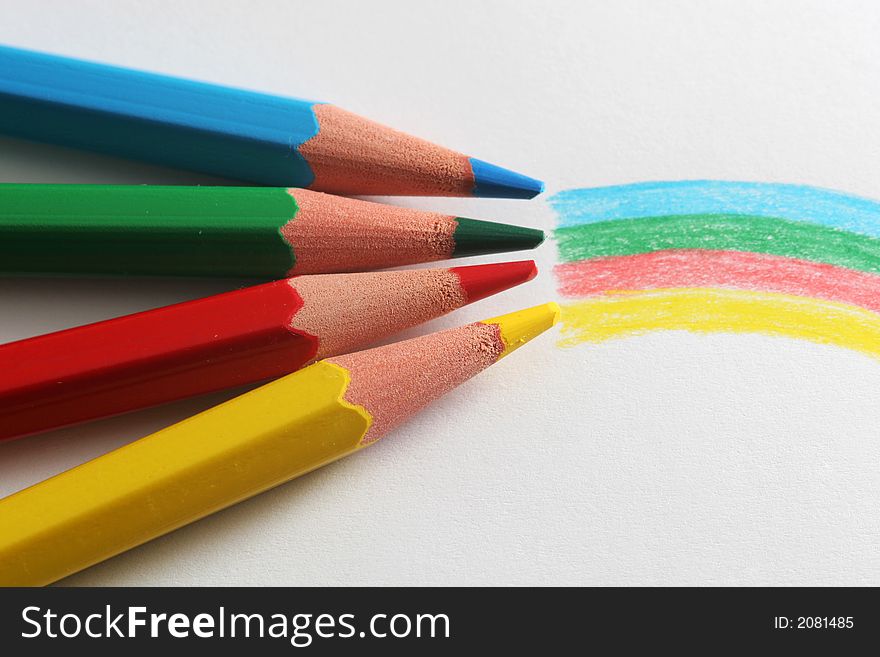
{"points": [[32, 306], [26, 461], [35, 162]]}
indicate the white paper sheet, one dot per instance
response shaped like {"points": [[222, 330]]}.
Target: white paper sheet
{"points": [[666, 459]]}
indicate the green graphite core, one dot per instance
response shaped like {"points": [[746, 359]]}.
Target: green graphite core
{"points": [[474, 237]]}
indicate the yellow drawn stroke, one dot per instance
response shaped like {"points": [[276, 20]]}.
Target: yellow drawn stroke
{"points": [[710, 310]]}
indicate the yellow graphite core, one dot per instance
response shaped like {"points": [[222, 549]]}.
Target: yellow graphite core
{"points": [[519, 327], [173, 477]]}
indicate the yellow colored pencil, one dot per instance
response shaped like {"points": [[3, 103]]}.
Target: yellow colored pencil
{"points": [[241, 448]]}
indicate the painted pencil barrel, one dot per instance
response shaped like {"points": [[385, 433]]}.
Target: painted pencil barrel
{"points": [[160, 119], [255, 137], [149, 358], [109, 229], [178, 475]]}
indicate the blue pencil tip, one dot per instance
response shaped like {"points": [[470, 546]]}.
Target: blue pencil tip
{"points": [[491, 181]]}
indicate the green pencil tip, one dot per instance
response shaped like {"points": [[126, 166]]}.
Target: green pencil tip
{"points": [[475, 237]]}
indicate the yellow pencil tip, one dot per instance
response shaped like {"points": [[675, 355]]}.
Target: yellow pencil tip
{"points": [[519, 327]]}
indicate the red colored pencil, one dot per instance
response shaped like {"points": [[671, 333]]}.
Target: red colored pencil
{"points": [[218, 342]]}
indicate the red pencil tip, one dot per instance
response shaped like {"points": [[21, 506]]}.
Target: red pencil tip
{"points": [[481, 281]]}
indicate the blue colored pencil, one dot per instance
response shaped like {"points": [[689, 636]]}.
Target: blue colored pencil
{"points": [[254, 137]]}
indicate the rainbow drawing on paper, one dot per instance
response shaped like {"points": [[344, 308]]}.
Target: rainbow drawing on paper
{"points": [[715, 256]]}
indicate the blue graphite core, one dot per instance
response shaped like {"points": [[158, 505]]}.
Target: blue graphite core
{"points": [[492, 181]]}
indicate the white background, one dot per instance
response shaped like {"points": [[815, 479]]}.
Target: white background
{"points": [[666, 459]]}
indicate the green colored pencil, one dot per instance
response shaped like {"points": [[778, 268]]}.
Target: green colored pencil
{"points": [[227, 231]]}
